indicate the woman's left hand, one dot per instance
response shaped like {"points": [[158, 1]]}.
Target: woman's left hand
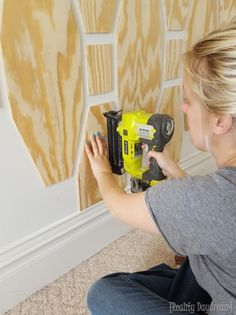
{"points": [[97, 154]]}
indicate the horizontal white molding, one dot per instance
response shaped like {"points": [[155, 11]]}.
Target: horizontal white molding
{"points": [[42, 257], [170, 35], [99, 39], [93, 100], [172, 83]]}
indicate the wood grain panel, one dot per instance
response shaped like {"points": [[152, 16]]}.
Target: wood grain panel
{"points": [[227, 10], [99, 68], [176, 13], [170, 105], [140, 54], [41, 54], [204, 18], [88, 189], [98, 15], [173, 55]]}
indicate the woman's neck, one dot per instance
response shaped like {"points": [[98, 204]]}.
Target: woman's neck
{"points": [[223, 149], [229, 161]]}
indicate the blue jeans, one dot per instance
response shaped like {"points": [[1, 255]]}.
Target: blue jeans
{"points": [[159, 290]]}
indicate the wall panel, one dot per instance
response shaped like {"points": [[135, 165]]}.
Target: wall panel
{"points": [[98, 15], [203, 18], [173, 55], [139, 54], [176, 13], [227, 10], [41, 52], [99, 68]]}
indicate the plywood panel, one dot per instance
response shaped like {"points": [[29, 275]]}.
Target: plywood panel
{"points": [[227, 10], [41, 54], [176, 13], [173, 55], [204, 18], [88, 190], [170, 105], [98, 15], [99, 68], [140, 54]]}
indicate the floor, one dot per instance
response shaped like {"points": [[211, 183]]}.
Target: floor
{"points": [[137, 250]]}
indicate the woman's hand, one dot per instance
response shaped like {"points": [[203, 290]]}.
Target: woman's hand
{"points": [[166, 162], [98, 156]]}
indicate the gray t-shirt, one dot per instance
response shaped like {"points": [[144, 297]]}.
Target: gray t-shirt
{"points": [[197, 217]]}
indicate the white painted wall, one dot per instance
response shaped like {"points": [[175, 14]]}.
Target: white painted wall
{"points": [[191, 157], [26, 205]]}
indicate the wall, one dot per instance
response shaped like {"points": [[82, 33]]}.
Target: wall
{"points": [[62, 64]]}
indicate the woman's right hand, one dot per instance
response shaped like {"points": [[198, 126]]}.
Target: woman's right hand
{"points": [[166, 162]]}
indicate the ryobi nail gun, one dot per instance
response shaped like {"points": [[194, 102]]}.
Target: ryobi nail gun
{"points": [[127, 131]]}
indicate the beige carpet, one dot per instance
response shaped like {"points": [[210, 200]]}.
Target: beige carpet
{"points": [[134, 251]]}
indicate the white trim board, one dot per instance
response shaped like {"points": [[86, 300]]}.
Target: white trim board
{"points": [[32, 263]]}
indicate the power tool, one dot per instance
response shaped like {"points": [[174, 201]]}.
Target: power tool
{"points": [[126, 132]]}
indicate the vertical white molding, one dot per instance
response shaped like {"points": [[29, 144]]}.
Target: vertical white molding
{"points": [[163, 57], [119, 5], [92, 100], [85, 110]]}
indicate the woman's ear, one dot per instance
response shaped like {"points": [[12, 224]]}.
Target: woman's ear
{"points": [[223, 124]]}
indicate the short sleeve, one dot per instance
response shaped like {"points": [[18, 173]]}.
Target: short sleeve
{"points": [[194, 214]]}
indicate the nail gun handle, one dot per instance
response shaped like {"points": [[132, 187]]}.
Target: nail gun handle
{"points": [[155, 170]]}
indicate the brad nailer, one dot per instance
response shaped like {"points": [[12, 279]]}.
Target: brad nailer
{"points": [[126, 132]]}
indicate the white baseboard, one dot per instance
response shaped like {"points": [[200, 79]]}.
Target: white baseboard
{"points": [[33, 262]]}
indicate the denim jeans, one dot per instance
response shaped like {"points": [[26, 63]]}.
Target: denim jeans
{"points": [[159, 290]]}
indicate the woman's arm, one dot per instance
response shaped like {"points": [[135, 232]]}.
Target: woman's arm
{"points": [[129, 208]]}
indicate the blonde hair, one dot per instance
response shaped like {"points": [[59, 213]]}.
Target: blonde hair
{"points": [[211, 64]]}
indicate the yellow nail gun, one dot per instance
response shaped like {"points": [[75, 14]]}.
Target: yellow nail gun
{"points": [[126, 132]]}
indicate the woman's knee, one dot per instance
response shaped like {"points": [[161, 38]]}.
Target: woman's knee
{"points": [[98, 294], [95, 291], [105, 293]]}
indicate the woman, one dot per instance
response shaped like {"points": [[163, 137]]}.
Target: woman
{"points": [[196, 215]]}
